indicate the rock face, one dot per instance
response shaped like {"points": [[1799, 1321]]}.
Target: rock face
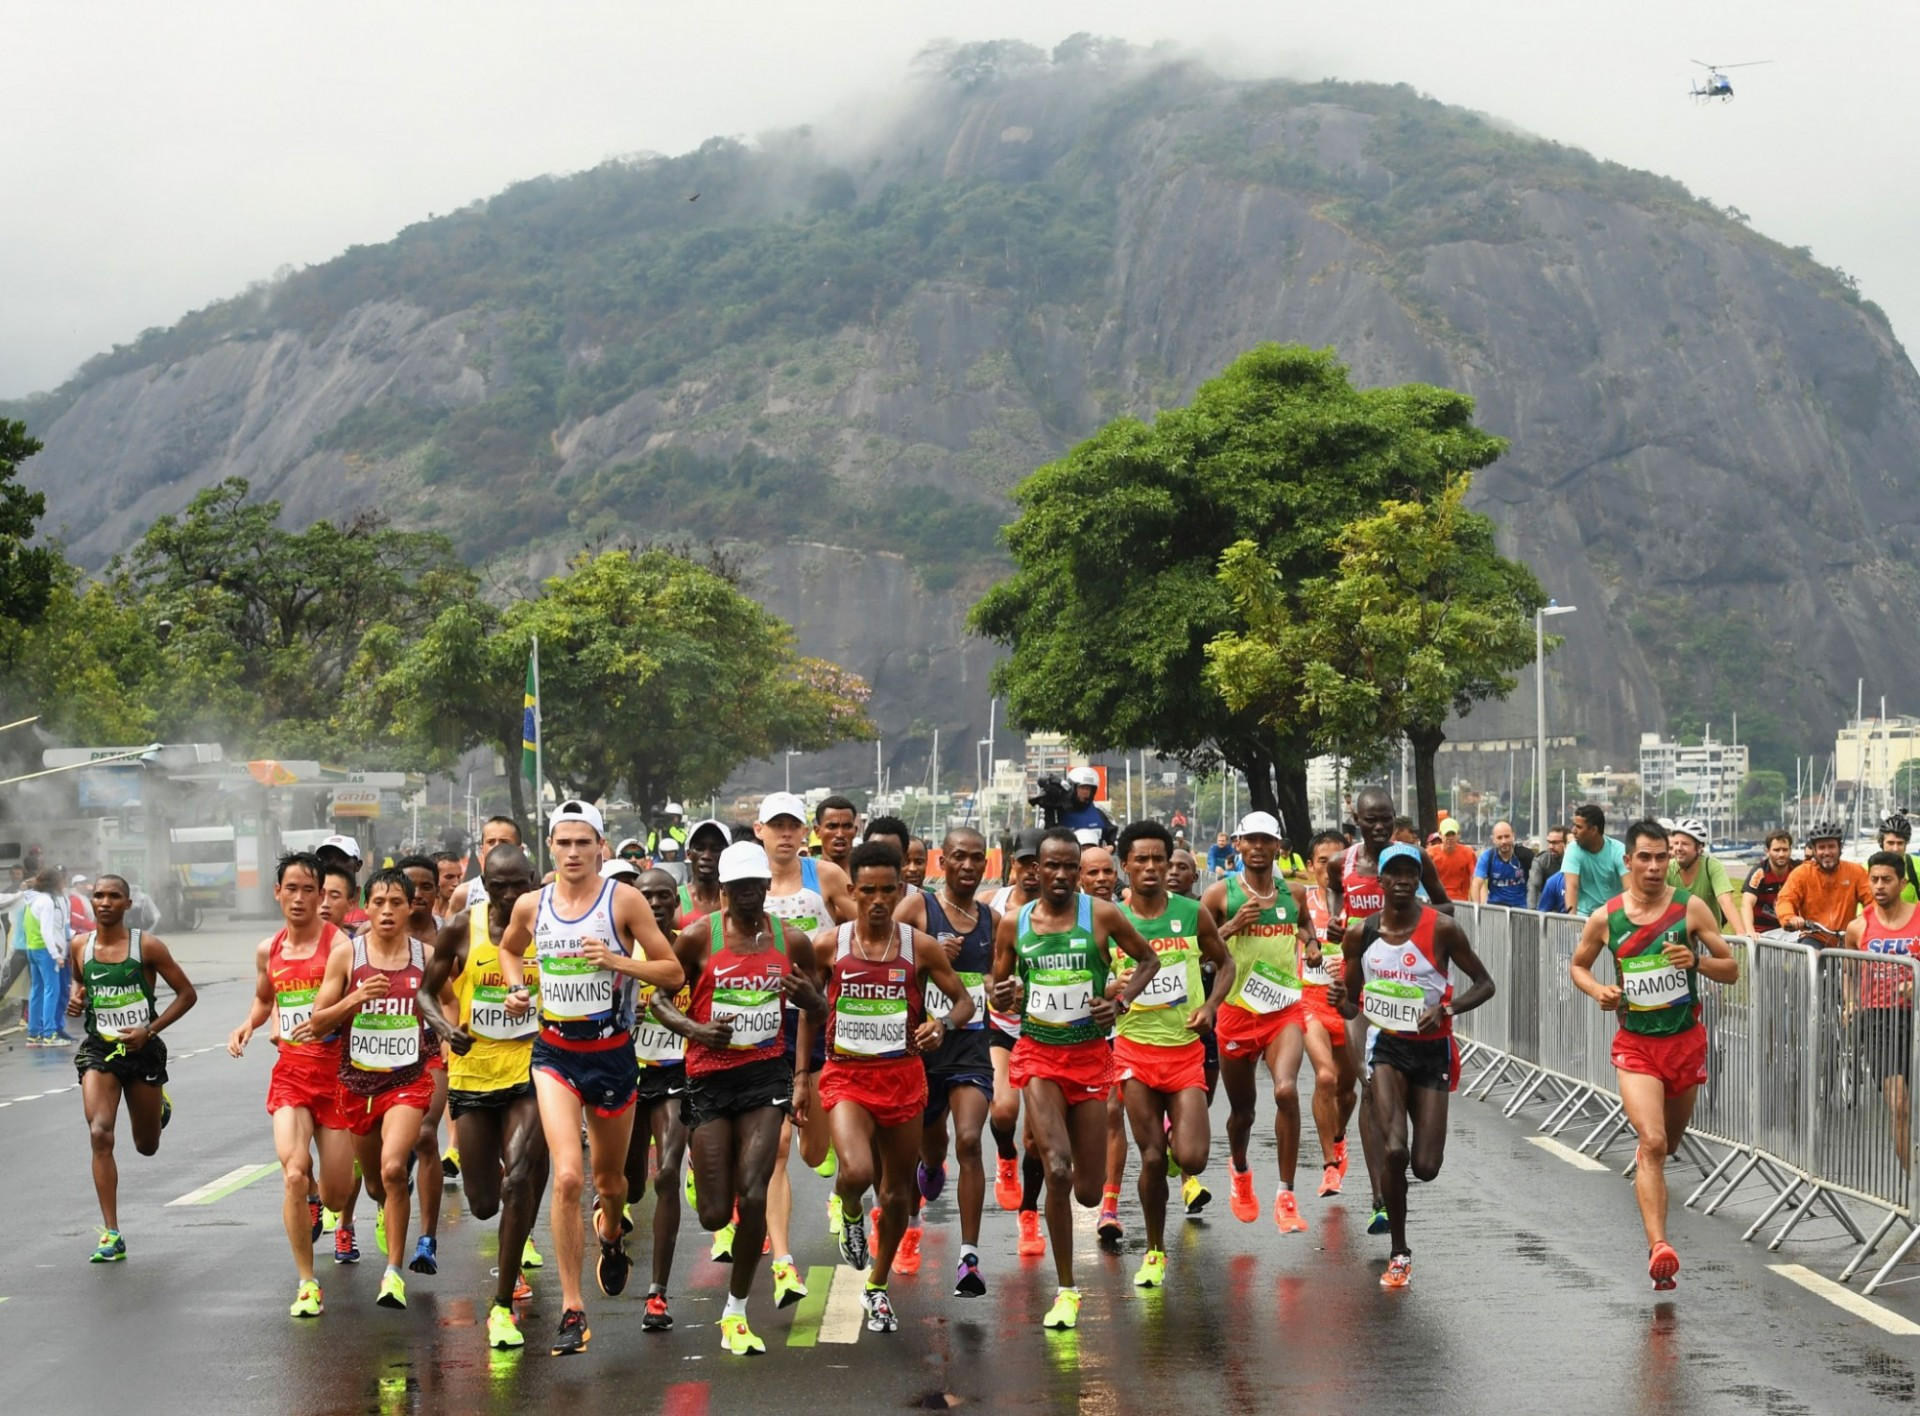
{"points": [[1713, 439]]}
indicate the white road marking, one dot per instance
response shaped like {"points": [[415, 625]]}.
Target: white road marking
{"points": [[30, 1096], [1567, 1153], [225, 1185], [844, 1317], [1843, 1297]]}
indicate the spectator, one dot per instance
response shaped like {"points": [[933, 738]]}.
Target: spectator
{"points": [[1762, 887], [1553, 894], [1595, 864], [1499, 878], [1222, 857], [1288, 862], [1454, 861], [47, 927], [1824, 889], [1546, 864]]}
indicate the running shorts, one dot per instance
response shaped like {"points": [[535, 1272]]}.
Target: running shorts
{"points": [[363, 1113], [1162, 1069], [1315, 1002], [463, 1103], [1244, 1034], [940, 1086], [603, 1078], [316, 1090], [1883, 1037], [723, 1095], [892, 1093], [1678, 1059], [1082, 1070], [1432, 1063], [657, 1084], [148, 1065]]}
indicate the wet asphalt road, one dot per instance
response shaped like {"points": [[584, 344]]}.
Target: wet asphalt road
{"points": [[1529, 1294]]}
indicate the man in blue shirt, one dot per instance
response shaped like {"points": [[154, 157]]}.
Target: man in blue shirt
{"points": [[1081, 816], [1553, 894], [1595, 865], [1498, 877], [1222, 858]]}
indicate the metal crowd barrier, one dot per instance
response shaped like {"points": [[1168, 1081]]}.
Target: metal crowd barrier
{"points": [[1809, 1066]]}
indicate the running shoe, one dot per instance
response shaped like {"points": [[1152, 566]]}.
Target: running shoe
{"points": [[574, 1334], [530, 1256], [1286, 1214], [613, 1268], [1662, 1266], [345, 1249], [1240, 1197], [834, 1222], [656, 1318], [1399, 1272], [1152, 1272], [450, 1163], [380, 1229], [879, 1308], [873, 1218], [329, 1220], [687, 1189], [1195, 1196], [426, 1256], [736, 1337], [503, 1328], [1032, 1243], [166, 1108], [313, 1213], [1340, 1156], [766, 1245], [829, 1167], [1109, 1227], [967, 1280], [393, 1290], [787, 1287], [1330, 1180], [1379, 1224], [626, 1216], [306, 1300], [853, 1240], [931, 1182], [1006, 1183], [906, 1259], [113, 1249], [58, 1040], [722, 1251], [522, 1290], [1065, 1312]]}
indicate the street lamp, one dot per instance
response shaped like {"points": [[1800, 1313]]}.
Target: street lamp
{"points": [[1552, 607], [791, 754]]}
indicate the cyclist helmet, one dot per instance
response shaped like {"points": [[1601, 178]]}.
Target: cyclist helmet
{"points": [[1688, 826], [1084, 777], [1825, 831], [1897, 825]]}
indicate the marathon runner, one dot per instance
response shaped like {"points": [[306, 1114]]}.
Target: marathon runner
{"points": [[662, 1055], [906, 1258], [1017, 1183], [495, 831], [592, 940], [960, 1072], [345, 851], [1059, 947], [1879, 998], [1662, 939], [496, 1116], [1396, 976], [114, 969], [339, 903], [914, 873], [701, 893], [874, 1083], [1336, 1073], [430, 877], [742, 965], [1157, 1052], [834, 821], [303, 1096], [1761, 888], [1100, 878]]}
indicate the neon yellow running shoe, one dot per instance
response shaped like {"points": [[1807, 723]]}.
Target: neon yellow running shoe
{"points": [[736, 1337], [1195, 1196], [530, 1256], [1152, 1272], [329, 1220], [306, 1302], [688, 1190], [722, 1252], [836, 1226], [1065, 1312], [503, 1328], [380, 1230], [393, 1291], [830, 1166], [787, 1287], [112, 1250]]}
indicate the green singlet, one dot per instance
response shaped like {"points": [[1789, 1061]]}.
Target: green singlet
{"points": [[119, 997], [1266, 955], [1657, 999], [1158, 1017], [1063, 974]]}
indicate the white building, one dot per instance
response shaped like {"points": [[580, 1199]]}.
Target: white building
{"points": [[1710, 773], [1870, 750]]}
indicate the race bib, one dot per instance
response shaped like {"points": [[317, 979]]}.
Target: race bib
{"points": [[1060, 997], [571, 988], [489, 1017], [755, 1016], [1648, 981], [1392, 1006], [1267, 990], [1317, 974], [870, 1027], [1167, 989], [655, 1046], [938, 1005], [294, 1006], [383, 1042], [118, 1011]]}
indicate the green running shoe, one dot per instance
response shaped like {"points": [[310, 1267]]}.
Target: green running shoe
{"points": [[736, 1337], [687, 1189], [1065, 1312], [530, 1256], [380, 1230], [112, 1248], [503, 1328], [166, 1108], [306, 1301], [1152, 1272], [722, 1245], [393, 1291], [787, 1287], [829, 1167], [1379, 1224]]}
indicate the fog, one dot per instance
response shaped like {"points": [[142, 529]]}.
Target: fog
{"points": [[159, 157]]}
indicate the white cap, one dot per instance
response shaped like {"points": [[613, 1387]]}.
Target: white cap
{"points": [[618, 869], [744, 860], [578, 811], [630, 841], [675, 809], [726, 835], [782, 804], [1258, 823], [346, 845]]}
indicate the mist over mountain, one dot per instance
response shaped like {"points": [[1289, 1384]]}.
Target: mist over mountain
{"points": [[839, 347]]}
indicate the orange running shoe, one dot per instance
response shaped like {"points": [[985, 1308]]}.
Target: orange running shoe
{"points": [[1240, 1197], [1286, 1214], [1032, 1243], [1006, 1184], [1340, 1156], [1399, 1272], [906, 1258], [873, 1218], [522, 1290], [766, 1246], [1330, 1180], [1662, 1265]]}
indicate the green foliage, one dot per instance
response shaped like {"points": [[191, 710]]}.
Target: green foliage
{"points": [[26, 572], [1702, 661], [1906, 784], [1761, 792]]}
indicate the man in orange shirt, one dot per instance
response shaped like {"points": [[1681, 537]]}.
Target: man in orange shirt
{"points": [[1824, 889], [1454, 862]]}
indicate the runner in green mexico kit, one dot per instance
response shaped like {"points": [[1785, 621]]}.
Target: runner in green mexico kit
{"points": [[122, 1055]]}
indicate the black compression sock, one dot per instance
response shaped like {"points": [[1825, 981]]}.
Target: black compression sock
{"points": [[1033, 1175], [1003, 1141]]}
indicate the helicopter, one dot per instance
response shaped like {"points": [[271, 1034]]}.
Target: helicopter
{"points": [[1718, 85]]}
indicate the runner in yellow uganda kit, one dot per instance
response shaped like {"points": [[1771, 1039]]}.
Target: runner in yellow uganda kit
{"points": [[496, 1116]]}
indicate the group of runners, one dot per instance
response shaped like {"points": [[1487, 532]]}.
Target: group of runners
{"points": [[609, 1025]]}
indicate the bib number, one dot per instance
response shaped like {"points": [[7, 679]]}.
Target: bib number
{"points": [[1168, 988], [118, 1011], [489, 1019], [383, 1042], [1060, 998], [1267, 990], [938, 1005], [870, 1027], [1392, 1006], [1317, 975], [755, 1016], [655, 1046], [1648, 982], [571, 989], [294, 1006]]}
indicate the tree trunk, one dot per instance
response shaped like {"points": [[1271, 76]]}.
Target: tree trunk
{"points": [[1291, 793], [1276, 780], [1426, 746]]}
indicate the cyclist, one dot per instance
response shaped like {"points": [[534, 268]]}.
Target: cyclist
{"points": [[1823, 891], [1895, 832]]}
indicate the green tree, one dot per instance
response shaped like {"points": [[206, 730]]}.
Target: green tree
{"points": [[1906, 783], [1761, 793], [27, 573], [1115, 592], [1421, 618]]}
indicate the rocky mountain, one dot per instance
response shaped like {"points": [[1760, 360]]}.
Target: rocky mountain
{"points": [[861, 341]]}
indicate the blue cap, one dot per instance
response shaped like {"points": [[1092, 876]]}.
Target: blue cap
{"points": [[1400, 850]]}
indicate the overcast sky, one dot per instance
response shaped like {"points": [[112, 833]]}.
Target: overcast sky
{"points": [[156, 157]]}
